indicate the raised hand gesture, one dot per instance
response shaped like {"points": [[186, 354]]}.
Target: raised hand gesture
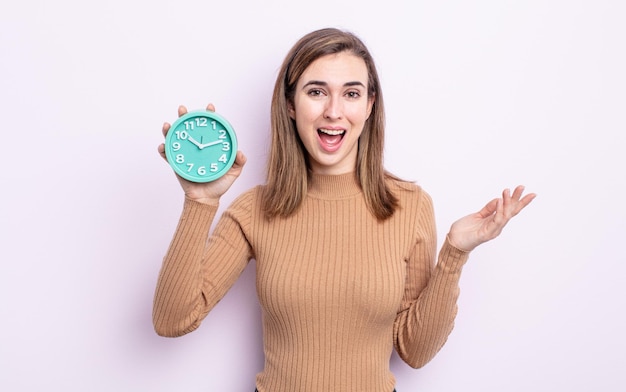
{"points": [[474, 229]]}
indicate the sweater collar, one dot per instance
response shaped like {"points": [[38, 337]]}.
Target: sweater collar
{"points": [[325, 186]]}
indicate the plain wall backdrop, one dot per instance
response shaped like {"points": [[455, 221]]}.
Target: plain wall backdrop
{"points": [[480, 95]]}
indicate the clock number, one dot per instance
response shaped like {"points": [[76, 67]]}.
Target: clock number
{"points": [[223, 158], [190, 166], [182, 135], [202, 170], [225, 146], [199, 122], [214, 124], [176, 146], [180, 158], [222, 134], [214, 167]]}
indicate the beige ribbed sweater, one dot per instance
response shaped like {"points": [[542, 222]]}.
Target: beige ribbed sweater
{"points": [[338, 289]]}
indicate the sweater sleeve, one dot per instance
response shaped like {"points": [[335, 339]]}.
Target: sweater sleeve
{"points": [[428, 309], [198, 270]]}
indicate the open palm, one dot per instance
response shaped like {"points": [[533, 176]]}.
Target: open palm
{"points": [[474, 229]]}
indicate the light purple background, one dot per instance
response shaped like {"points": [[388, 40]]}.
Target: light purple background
{"points": [[480, 95]]}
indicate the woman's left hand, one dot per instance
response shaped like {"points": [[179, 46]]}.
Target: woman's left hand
{"points": [[474, 229]]}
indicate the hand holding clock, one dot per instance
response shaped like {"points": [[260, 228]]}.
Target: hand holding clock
{"points": [[207, 190]]}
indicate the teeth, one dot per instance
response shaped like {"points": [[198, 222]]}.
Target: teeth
{"points": [[332, 132]]}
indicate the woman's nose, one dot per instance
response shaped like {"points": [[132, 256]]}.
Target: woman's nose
{"points": [[333, 110]]}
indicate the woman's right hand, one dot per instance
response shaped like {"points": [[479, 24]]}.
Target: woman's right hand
{"points": [[209, 192]]}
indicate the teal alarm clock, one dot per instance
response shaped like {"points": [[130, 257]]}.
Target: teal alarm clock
{"points": [[201, 146]]}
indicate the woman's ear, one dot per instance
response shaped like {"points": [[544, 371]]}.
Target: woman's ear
{"points": [[291, 110], [370, 105]]}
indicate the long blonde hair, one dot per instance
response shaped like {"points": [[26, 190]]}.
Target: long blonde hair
{"points": [[287, 167]]}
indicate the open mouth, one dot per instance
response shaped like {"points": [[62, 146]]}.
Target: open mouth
{"points": [[331, 138]]}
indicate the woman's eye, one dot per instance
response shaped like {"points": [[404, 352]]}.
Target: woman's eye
{"points": [[353, 94], [315, 92]]}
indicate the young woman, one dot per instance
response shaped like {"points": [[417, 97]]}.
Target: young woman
{"points": [[345, 252]]}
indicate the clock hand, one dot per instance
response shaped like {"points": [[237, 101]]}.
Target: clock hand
{"points": [[211, 144], [194, 141]]}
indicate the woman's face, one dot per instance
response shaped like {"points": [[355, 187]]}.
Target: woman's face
{"points": [[330, 107]]}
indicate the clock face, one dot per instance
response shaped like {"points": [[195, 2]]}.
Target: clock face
{"points": [[201, 146]]}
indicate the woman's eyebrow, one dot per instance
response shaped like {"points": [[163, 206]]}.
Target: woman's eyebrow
{"points": [[321, 83]]}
